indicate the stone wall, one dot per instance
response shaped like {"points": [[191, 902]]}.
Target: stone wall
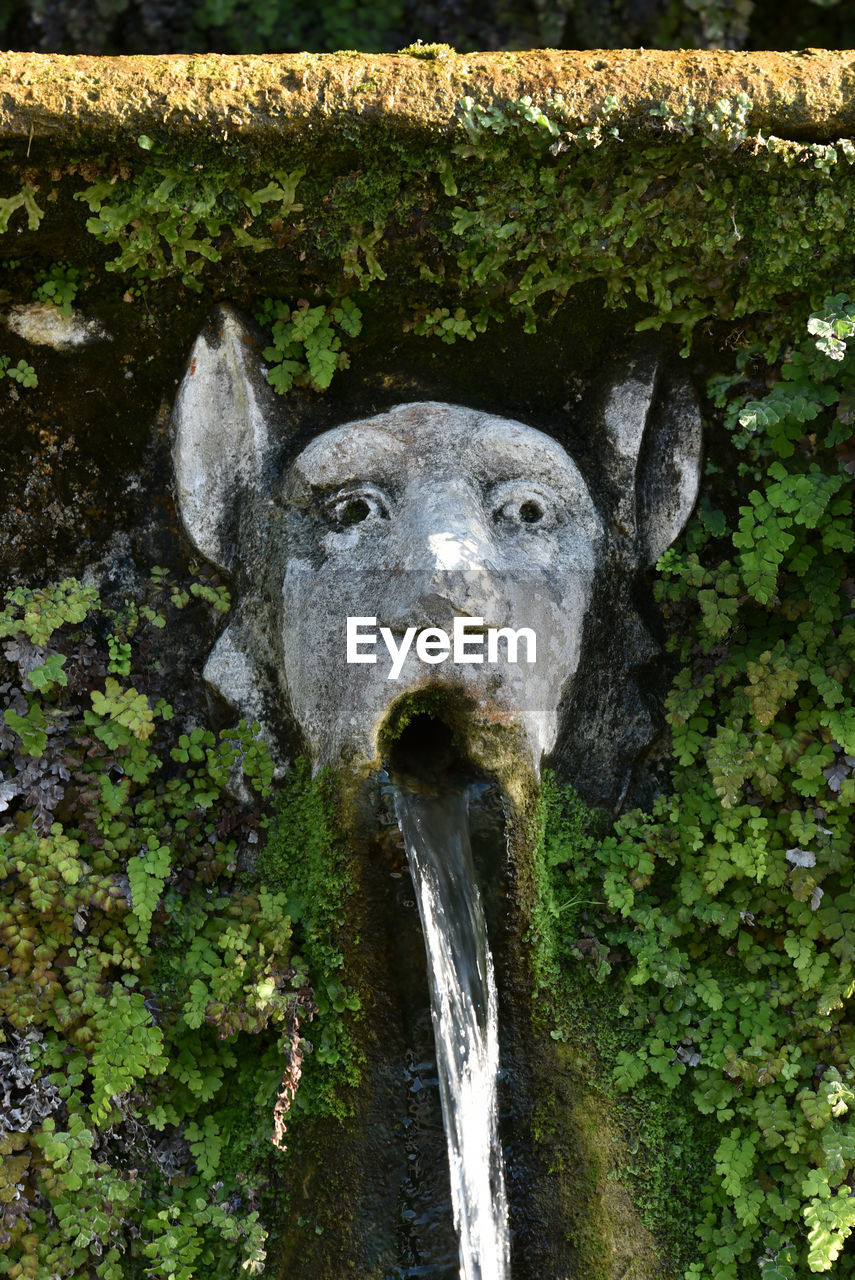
{"points": [[501, 231]]}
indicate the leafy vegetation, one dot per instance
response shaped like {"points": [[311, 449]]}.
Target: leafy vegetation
{"points": [[58, 285], [153, 993], [305, 862], [22, 373], [165, 221], [554, 206], [306, 347], [703, 222], [719, 926], [256, 26], [25, 200]]}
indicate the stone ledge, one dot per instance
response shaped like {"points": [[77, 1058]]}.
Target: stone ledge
{"points": [[809, 95]]}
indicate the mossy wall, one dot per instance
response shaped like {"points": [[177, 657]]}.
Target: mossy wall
{"points": [[491, 229], [382, 201]]}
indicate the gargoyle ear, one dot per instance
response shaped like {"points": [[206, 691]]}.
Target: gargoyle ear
{"points": [[223, 425], [652, 427], [669, 469]]}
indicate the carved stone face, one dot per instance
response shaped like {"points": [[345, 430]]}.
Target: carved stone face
{"points": [[416, 517], [419, 519]]}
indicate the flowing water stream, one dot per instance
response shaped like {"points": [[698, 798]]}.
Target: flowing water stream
{"points": [[464, 1010]]}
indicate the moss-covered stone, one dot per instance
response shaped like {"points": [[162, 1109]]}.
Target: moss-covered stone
{"points": [[96, 101], [584, 1149]]}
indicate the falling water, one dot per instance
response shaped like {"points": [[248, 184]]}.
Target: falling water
{"points": [[464, 1008]]}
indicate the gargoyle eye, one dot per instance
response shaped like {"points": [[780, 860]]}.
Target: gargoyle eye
{"points": [[531, 511], [355, 506], [353, 511], [517, 504]]}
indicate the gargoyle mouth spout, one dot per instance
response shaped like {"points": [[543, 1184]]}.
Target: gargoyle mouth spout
{"points": [[427, 758], [438, 738], [423, 741]]}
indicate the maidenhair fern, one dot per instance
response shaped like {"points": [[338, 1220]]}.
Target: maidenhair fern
{"points": [[148, 984], [727, 934]]}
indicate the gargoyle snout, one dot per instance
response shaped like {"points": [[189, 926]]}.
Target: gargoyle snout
{"points": [[444, 530]]}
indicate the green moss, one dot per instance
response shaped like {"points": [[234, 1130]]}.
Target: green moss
{"points": [[431, 702], [587, 1154], [631, 1167], [507, 221], [305, 859], [430, 52]]}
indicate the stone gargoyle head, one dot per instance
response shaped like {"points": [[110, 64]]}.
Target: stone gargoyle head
{"points": [[431, 551]]}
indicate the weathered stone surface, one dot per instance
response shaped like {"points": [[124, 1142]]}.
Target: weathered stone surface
{"points": [[808, 95], [45, 325], [458, 516], [221, 438]]}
